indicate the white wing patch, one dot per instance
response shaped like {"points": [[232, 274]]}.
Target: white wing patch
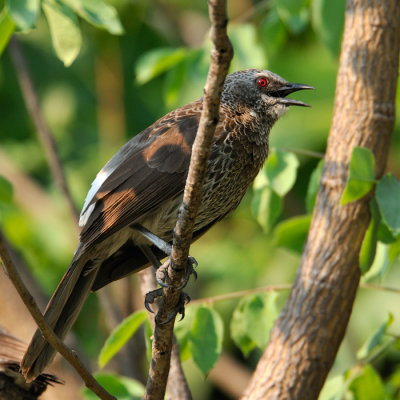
{"points": [[96, 184], [101, 177]]}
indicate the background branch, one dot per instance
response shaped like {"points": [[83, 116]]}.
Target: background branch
{"points": [[221, 55], [43, 131], [47, 332], [306, 337]]}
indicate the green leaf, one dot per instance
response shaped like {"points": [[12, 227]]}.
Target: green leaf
{"points": [[380, 263], [292, 233], [7, 28], [375, 339], [120, 335], [253, 319], [367, 385], [273, 32], [313, 186], [388, 198], [334, 389], [361, 175], [245, 43], [156, 62], [183, 332], [206, 338], [98, 13], [328, 22], [23, 12], [121, 387], [368, 247], [294, 13], [281, 170], [148, 335], [266, 207], [394, 250], [65, 30], [274, 181], [6, 191], [262, 311], [238, 328]]}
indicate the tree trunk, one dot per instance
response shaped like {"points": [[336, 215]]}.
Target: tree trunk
{"points": [[306, 337]]}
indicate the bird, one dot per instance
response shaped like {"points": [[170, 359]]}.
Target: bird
{"points": [[131, 209]]}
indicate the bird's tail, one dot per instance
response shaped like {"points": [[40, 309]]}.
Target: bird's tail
{"points": [[61, 312]]}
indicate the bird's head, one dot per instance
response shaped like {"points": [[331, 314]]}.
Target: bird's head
{"points": [[262, 92]]}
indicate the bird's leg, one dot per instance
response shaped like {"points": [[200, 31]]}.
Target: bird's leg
{"points": [[154, 294], [166, 248], [157, 241]]}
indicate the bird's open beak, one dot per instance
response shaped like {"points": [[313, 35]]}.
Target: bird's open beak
{"points": [[282, 92]]}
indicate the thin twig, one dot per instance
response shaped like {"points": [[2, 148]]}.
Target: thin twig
{"points": [[44, 327], [221, 55], [43, 131], [278, 288], [242, 293], [303, 152]]}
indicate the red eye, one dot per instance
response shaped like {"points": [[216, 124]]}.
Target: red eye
{"points": [[262, 82]]}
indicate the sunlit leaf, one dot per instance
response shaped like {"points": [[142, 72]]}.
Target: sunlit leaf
{"points": [[7, 27], [98, 13], [23, 12], [388, 198], [252, 321], [6, 190], [375, 339], [334, 389], [380, 263], [292, 233], [157, 61], [206, 338], [328, 22], [120, 335], [266, 207], [368, 247], [361, 176], [281, 170], [65, 30], [313, 186], [367, 385], [121, 387]]}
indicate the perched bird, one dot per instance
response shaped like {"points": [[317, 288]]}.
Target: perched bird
{"points": [[136, 196]]}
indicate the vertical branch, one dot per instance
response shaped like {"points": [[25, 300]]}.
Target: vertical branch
{"points": [[307, 335], [221, 55], [45, 136], [177, 386]]}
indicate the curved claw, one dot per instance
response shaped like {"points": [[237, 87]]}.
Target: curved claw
{"points": [[151, 297], [179, 309], [162, 283]]}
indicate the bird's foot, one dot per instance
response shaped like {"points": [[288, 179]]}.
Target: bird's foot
{"points": [[178, 309], [164, 280], [151, 297]]}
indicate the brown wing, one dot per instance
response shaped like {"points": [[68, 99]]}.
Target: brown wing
{"points": [[148, 171]]}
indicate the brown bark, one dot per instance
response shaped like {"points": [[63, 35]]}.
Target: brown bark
{"points": [[221, 55], [306, 337]]}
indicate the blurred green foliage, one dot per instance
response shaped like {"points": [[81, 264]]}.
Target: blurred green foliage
{"points": [[148, 58]]}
